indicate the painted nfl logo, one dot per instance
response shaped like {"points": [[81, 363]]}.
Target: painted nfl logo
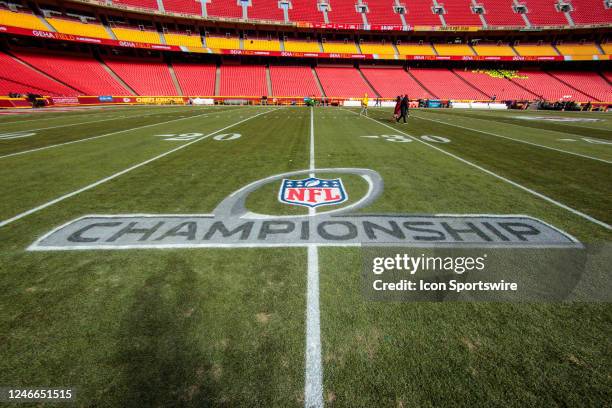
{"points": [[312, 192]]}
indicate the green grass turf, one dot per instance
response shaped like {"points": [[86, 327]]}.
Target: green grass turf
{"points": [[206, 327]]}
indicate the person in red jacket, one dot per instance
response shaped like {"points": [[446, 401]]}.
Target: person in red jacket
{"points": [[397, 110]]}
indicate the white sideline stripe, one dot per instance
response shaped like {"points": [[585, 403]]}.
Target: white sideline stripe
{"points": [[85, 112], [313, 379], [122, 172], [516, 140], [102, 120], [101, 136], [491, 173]]}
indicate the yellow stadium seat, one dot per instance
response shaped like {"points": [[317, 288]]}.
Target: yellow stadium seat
{"points": [[607, 48], [193, 40], [232, 43], [376, 48], [578, 49], [415, 49], [128, 34], [302, 46], [340, 47], [261, 45], [529, 50], [453, 49], [23, 20], [494, 50], [77, 28]]}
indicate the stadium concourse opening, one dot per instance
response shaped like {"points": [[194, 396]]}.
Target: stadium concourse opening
{"points": [[283, 203]]}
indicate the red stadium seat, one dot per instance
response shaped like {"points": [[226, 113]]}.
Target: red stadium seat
{"points": [[380, 12], [144, 77], [418, 12], [293, 81], [459, 13], [150, 4], [501, 13], [590, 12], [243, 80], [344, 12], [590, 83], [445, 84], [183, 6], [265, 10], [343, 82], [82, 72], [195, 79], [391, 82], [543, 12], [305, 10], [17, 77], [224, 8], [502, 88], [541, 83]]}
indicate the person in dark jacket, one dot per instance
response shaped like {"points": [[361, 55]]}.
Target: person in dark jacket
{"points": [[404, 108]]}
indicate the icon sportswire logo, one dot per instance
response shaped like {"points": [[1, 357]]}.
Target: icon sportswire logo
{"points": [[312, 192]]}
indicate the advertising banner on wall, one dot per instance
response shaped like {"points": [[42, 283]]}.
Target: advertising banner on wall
{"points": [[65, 100]]}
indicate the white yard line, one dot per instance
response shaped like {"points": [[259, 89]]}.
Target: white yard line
{"points": [[313, 383], [38, 149], [491, 173], [516, 140], [122, 172]]}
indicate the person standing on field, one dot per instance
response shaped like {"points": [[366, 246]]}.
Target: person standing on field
{"points": [[404, 108], [364, 105], [397, 109]]}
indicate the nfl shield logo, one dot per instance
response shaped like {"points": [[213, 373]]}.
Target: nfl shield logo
{"points": [[312, 192]]}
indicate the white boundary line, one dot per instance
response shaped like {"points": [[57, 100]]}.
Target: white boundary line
{"points": [[491, 173], [122, 172], [85, 113], [313, 379], [38, 149], [515, 140], [103, 120]]}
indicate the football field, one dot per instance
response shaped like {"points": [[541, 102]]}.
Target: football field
{"points": [[261, 315]]}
